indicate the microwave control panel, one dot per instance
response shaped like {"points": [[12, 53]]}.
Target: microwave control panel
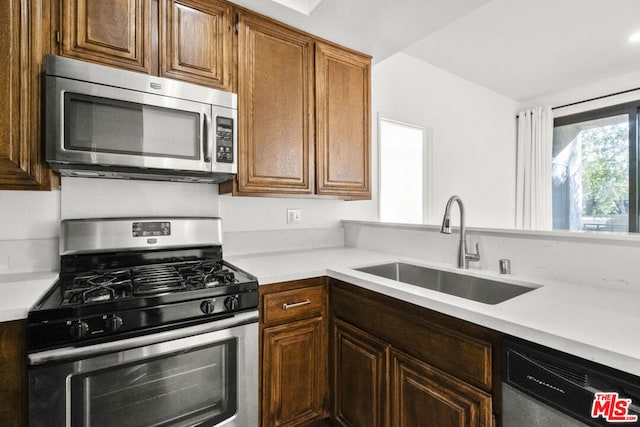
{"points": [[224, 140]]}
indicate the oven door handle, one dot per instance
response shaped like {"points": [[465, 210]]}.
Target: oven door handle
{"points": [[76, 353]]}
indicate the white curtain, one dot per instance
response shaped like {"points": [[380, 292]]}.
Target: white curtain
{"points": [[533, 169]]}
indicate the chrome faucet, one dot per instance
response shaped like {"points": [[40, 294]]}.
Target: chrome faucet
{"points": [[463, 255]]}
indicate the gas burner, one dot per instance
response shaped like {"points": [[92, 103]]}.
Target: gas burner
{"points": [[207, 274], [98, 286]]}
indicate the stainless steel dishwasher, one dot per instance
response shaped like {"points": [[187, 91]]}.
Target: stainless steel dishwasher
{"points": [[542, 387]]}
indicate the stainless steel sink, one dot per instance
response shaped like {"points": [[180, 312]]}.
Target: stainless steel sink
{"points": [[474, 288]]}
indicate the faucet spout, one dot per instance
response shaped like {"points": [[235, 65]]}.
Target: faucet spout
{"points": [[464, 256]]}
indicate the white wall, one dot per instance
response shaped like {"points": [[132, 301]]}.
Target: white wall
{"points": [[268, 213], [29, 215], [108, 198], [29, 228], [603, 88], [473, 135]]}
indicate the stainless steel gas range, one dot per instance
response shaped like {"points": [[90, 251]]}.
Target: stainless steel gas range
{"points": [[146, 326]]}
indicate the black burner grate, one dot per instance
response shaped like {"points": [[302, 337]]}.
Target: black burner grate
{"points": [[206, 274], [156, 279], [99, 286], [152, 279]]}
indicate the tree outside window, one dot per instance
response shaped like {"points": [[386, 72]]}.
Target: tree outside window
{"points": [[594, 170]]}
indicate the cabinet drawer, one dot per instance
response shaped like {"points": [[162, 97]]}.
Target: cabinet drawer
{"points": [[293, 305]]}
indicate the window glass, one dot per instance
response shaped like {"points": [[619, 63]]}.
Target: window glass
{"points": [[591, 174], [401, 172]]}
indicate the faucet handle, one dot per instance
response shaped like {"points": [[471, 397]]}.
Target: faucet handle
{"points": [[474, 256]]}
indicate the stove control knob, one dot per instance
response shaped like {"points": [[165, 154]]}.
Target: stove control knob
{"points": [[113, 323], [231, 303], [79, 329], [207, 306]]}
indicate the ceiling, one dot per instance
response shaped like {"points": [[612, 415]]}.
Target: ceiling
{"points": [[377, 27], [522, 49]]}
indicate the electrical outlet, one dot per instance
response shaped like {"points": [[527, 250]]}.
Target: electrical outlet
{"points": [[294, 216]]}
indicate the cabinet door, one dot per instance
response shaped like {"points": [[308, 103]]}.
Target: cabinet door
{"points": [[343, 87], [275, 97], [423, 396], [25, 40], [114, 32], [359, 377], [294, 369], [13, 371], [196, 42]]}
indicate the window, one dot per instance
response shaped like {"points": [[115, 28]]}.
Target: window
{"points": [[402, 183], [595, 165]]}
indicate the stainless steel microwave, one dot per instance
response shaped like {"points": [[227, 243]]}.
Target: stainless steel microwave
{"points": [[111, 123]]}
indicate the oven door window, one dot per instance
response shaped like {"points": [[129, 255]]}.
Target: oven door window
{"points": [[105, 125], [197, 387]]}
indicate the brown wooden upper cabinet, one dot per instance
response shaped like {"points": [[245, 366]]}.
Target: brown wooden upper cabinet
{"points": [[304, 114], [343, 102], [25, 41], [304, 103], [190, 40], [197, 42], [115, 33], [275, 101]]}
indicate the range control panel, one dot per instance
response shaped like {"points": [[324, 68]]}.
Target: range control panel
{"points": [[151, 229], [224, 140]]}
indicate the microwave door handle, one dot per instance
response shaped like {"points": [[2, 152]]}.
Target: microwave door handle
{"points": [[206, 146]]}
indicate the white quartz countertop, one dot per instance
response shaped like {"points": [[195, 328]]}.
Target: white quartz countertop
{"points": [[19, 291], [598, 323]]}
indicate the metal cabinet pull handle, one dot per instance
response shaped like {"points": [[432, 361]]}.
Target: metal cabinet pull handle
{"points": [[296, 304]]}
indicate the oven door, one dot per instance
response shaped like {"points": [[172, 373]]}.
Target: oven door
{"points": [[197, 376]]}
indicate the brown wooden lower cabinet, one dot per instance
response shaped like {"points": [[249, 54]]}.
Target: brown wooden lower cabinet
{"points": [[293, 385], [396, 364], [423, 396], [372, 380], [385, 362], [13, 374], [293, 325], [360, 366]]}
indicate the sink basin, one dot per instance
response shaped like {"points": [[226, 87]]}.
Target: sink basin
{"points": [[473, 288]]}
